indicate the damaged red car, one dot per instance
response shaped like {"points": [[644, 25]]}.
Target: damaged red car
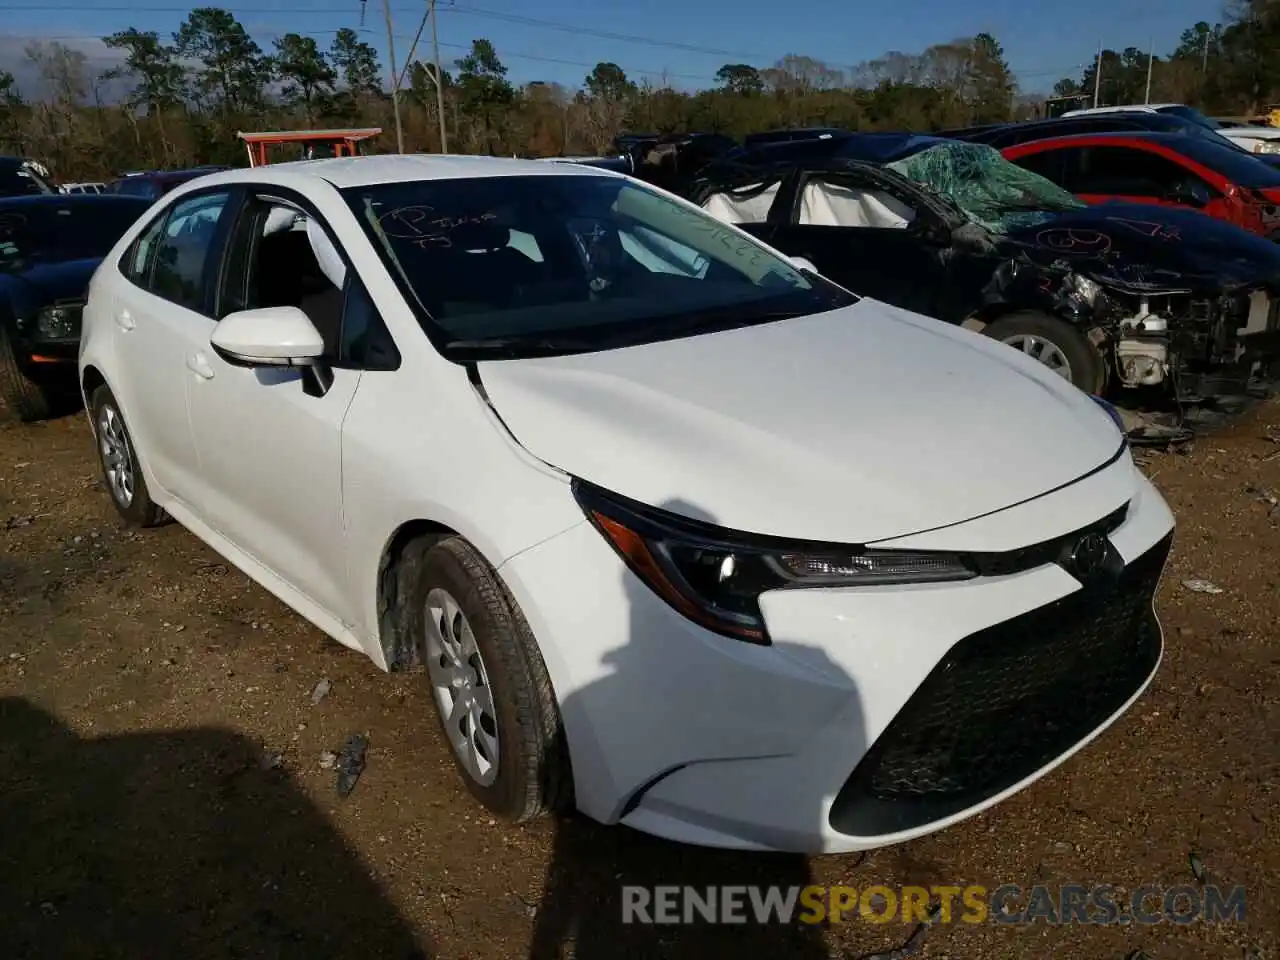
{"points": [[1164, 169]]}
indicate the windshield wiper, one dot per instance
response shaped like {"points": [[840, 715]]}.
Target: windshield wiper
{"points": [[520, 346]]}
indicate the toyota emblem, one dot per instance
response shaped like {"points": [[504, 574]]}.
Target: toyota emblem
{"points": [[1088, 555]]}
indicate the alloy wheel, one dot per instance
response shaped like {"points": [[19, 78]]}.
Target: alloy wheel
{"points": [[460, 684], [1042, 350], [117, 458]]}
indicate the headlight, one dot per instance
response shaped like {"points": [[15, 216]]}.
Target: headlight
{"points": [[61, 322], [1113, 413], [715, 576], [1267, 146]]}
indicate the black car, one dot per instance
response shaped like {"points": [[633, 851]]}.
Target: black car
{"points": [[49, 247], [789, 136], [672, 161], [155, 184], [18, 179], [1114, 293]]}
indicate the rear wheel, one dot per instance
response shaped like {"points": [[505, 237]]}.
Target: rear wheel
{"points": [[121, 471], [29, 400], [1058, 345]]}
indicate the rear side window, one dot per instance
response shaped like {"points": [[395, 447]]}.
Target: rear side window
{"points": [[138, 261], [169, 258]]}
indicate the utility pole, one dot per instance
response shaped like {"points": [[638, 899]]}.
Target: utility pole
{"points": [[435, 53], [395, 80], [1097, 75], [1151, 55], [1204, 66]]}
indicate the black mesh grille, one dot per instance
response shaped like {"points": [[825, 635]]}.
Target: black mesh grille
{"points": [[1006, 701]]}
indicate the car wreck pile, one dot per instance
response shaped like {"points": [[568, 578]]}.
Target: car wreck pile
{"points": [[1140, 301]]}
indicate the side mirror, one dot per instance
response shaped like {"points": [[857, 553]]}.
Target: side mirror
{"points": [[267, 337], [803, 263]]}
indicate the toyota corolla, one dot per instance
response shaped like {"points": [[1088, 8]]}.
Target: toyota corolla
{"points": [[674, 530]]}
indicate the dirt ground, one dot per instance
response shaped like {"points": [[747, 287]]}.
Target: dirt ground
{"points": [[162, 793]]}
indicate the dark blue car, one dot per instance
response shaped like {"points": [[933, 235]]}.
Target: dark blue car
{"points": [[50, 245]]}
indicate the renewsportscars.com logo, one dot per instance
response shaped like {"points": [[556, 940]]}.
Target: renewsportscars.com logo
{"points": [[1010, 903]]}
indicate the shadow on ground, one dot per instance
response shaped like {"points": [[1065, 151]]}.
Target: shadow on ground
{"points": [[179, 845], [581, 914]]}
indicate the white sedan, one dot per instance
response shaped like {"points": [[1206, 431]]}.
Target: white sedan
{"points": [[676, 531]]}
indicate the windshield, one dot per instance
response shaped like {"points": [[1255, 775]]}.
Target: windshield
{"points": [[516, 266], [990, 190], [1238, 166], [1192, 114], [31, 232]]}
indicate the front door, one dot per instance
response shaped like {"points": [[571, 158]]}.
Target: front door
{"points": [[270, 449], [868, 241]]}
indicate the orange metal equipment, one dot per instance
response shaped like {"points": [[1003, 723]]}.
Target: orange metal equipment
{"points": [[341, 143]]}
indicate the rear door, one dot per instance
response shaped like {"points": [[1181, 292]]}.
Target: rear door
{"points": [[865, 239], [158, 313]]}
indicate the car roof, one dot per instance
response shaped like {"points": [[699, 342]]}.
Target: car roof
{"points": [[346, 172], [1168, 137], [1136, 107], [874, 148]]}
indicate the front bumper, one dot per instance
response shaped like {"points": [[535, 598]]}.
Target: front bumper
{"points": [[877, 715]]}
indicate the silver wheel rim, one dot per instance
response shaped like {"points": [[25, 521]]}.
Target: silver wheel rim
{"points": [[1043, 350], [461, 687], [117, 462]]}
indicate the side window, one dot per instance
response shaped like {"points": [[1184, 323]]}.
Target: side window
{"points": [[183, 249], [749, 204], [365, 342], [137, 262], [278, 256], [837, 202], [1123, 171], [1053, 165]]}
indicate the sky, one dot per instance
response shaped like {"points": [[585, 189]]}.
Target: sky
{"points": [[560, 40]]}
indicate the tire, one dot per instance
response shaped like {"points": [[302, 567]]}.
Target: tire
{"points": [[26, 398], [116, 453], [1086, 365], [531, 775]]}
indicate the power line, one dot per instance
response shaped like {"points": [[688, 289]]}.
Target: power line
{"points": [[485, 13]]}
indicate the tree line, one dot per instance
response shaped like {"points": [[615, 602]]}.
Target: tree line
{"points": [[1230, 68], [179, 100]]}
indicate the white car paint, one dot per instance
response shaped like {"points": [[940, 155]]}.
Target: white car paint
{"points": [[861, 424], [679, 419]]}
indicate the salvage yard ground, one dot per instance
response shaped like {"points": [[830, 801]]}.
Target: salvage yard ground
{"points": [[162, 792]]}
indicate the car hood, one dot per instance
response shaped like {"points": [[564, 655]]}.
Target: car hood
{"points": [[35, 285], [1148, 247], [55, 280], [856, 425]]}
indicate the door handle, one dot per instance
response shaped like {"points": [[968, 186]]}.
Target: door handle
{"points": [[125, 321], [199, 365]]}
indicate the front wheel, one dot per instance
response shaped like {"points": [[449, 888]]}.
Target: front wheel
{"points": [[1058, 345], [487, 679]]}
